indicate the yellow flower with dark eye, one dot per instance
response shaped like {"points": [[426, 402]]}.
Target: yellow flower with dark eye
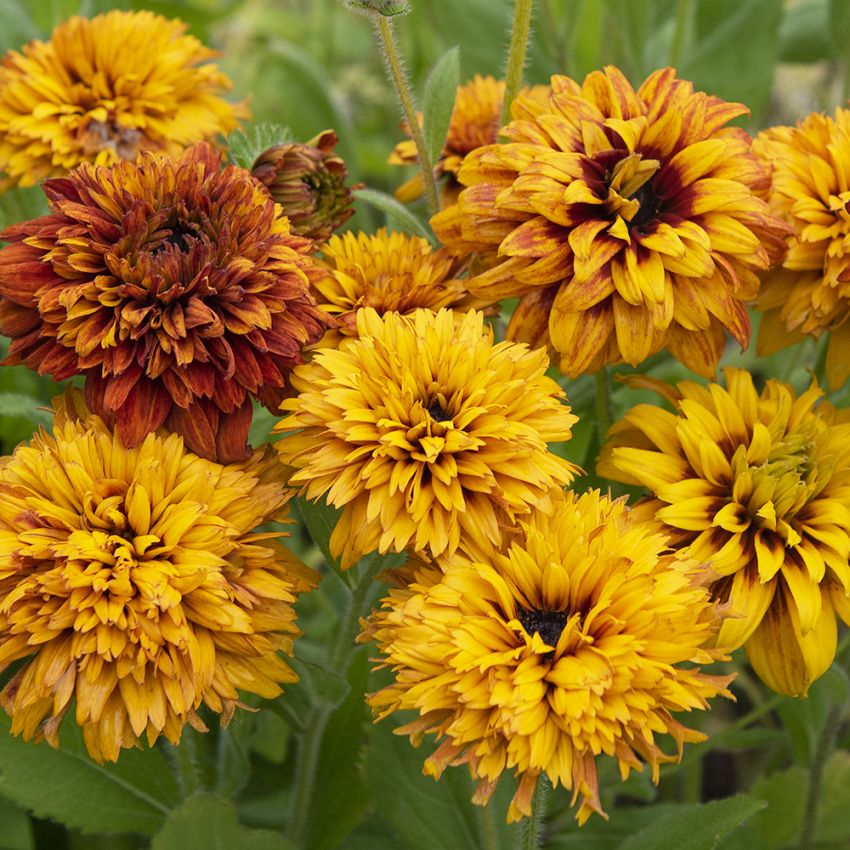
{"points": [[105, 89], [626, 221], [133, 584], [576, 640], [388, 272], [810, 293], [423, 431], [757, 486]]}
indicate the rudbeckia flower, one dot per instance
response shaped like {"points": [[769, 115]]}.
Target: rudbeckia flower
{"points": [[174, 286], [757, 486], [388, 272], [423, 430], [134, 587], [810, 293], [578, 639], [105, 89], [308, 181], [626, 221]]}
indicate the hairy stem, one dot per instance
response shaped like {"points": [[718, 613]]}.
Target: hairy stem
{"points": [[385, 33], [516, 55], [532, 838]]}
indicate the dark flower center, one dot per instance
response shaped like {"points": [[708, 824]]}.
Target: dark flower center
{"points": [[547, 624], [181, 236], [437, 413], [649, 206]]}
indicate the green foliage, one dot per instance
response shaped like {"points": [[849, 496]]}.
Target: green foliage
{"points": [[440, 90], [208, 822], [244, 146], [398, 216], [134, 795]]}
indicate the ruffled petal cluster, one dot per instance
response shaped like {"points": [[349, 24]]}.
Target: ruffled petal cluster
{"points": [[389, 272], [104, 89], [575, 640], [810, 293], [173, 285], [133, 586], [626, 221], [757, 486], [422, 430]]}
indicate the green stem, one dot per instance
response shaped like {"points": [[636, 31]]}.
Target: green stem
{"points": [[385, 33], [603, 403], [310, 744], [826, 744], [532, 838], [487, 827], [683, 15], [516, 55]]}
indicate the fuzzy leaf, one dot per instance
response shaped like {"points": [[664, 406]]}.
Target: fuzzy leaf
{"points": [[398, 217], [440, 93], [25, 406], [244, 146], [134, 795], [209, 822]]}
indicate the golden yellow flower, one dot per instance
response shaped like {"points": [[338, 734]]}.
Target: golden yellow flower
{"points": [[810, 292], [560, 648], [134, 584], [625, 220], [758, 487], [104, 89], [388, 272], [424, 430]]}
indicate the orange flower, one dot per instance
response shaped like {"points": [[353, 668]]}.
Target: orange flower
{"points": [[625, 220], [175, 287]]}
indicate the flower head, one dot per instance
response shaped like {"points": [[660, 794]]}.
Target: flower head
{"points": [[175, 287], [424, 430], [757, 485], [626, 220], [388, 272], [810, 292], [105, 89], [563, 646], [131, 581], [308, 181]]}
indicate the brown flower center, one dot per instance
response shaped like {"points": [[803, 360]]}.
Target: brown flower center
{"points": [[96, 136], [547, 624], [437, 412]]}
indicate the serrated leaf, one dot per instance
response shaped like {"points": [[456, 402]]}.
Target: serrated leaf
{"points": [[395, 212], [134, 795], [440, 92], [697, 827], [208, 822], [244, 146]]}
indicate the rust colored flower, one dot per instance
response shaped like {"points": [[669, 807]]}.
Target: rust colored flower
{"points": [[626, 221], [308, 181], [104, 89], [174, 286], [390, 272], [134, 587]]}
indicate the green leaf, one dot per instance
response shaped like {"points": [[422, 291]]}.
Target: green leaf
{"points": [[725, 59], [785, 795], [439, 101], [208, 822], [320, 519], [134, 795], [21, 204], [398, 216], [325, 685], [805, 32], [697, 827], [426, 813], [15, 828], [833, 825], [25, 406], [244, 146]]}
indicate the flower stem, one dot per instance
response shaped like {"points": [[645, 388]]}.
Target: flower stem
{"points": [[603, 403], [385, 34], [826, 744], [516, 55], [683, 15], [532, 838]]}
